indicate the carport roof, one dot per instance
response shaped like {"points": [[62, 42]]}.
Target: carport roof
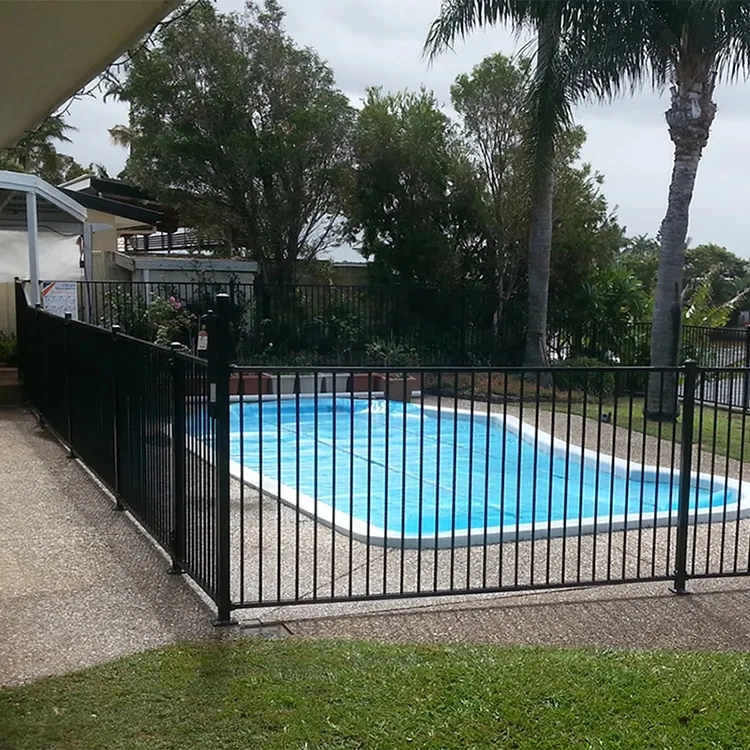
{"points": [[54, 207]]}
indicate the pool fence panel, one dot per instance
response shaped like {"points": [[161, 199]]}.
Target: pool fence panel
{"points": [[287, 485], [347, 325]]}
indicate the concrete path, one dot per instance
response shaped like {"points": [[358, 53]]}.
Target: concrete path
{"points": [[713, 617], [79, 583]]}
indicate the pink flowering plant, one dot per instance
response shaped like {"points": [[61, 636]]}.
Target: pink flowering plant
{"points": [[170, 320]]}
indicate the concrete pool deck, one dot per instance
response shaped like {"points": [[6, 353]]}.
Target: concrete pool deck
{"points": [[80, 584]]}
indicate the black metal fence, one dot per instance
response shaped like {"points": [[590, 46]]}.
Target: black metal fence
{"points": [[314, 324], [323, 325], [128, 409], [275, 486], [386, 484]]}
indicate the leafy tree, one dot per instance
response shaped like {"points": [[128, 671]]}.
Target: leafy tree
{"points": [[714, 278], [244, 131], [703, 310], [435, 203], [36, 153], [640, 257], [585, 236], [728, 274], [490, 104], [413, 201], [600, 316]]}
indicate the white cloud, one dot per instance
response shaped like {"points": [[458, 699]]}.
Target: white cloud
{"points": [[379, 42]]}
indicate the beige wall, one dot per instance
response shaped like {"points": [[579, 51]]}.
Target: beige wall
{"points": [[190, 274], [106, 269], [7, 307], [104, 247]]}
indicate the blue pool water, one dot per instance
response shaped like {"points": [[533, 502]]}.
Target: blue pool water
{"points": [[422, 474]]}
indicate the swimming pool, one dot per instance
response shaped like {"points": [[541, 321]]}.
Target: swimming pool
{"points": [[395, 474]]}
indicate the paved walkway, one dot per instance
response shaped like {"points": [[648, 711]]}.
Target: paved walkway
{"points": [[714, 617], [79, 583]]}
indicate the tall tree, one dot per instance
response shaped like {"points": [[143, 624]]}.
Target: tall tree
{"points": [[244, 131], [640, 258], [570, 34], [442, 203], [414, 201], [689, 44], [490, 104]]}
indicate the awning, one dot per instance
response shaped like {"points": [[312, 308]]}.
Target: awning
{"points": [[50, 49]]}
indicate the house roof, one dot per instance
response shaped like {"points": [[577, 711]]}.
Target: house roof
{"points": [[121, 199], [343, 255]]}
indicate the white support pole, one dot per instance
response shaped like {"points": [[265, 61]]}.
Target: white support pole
{"points": [[147, 284], [88, 268], [32, 229]]}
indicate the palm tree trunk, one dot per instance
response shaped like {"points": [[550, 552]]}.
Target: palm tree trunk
{"points": [[540, 250], [689, 119], [540, 229]]}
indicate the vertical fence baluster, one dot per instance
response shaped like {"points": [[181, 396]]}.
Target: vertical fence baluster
{"points": [[179, 424], [116, 426], [746, 374], [67, 387], [219, 389], [690, 370]]}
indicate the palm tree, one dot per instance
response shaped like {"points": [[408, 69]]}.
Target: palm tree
{"points": [[121, 135], [574, 59], [37, 154], [691, 45]]}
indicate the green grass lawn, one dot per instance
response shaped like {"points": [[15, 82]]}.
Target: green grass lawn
{"points": [[300, 694], [718, 430]]}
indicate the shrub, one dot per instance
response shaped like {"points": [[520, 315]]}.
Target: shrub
{"points": [[586, 379], [392, 353], [8, 348]]}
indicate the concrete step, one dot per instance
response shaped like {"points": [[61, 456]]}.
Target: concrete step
{"points": [[11, 393]]}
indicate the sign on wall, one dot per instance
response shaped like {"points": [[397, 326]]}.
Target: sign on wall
{"points": [[61, 297]]}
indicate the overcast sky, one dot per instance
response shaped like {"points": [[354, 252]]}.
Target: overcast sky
{"points": [[379, 42]]}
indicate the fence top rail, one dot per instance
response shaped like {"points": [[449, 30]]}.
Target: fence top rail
{"points": [[188, 357], [725, 370], [132, 339], [450, 369]]}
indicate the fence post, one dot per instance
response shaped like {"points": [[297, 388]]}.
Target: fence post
{"points": [[219, 353], [746, 374], [686, 465], [116, 330], [21, 307], [39, 366], [179, 421], [67, 391]]}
